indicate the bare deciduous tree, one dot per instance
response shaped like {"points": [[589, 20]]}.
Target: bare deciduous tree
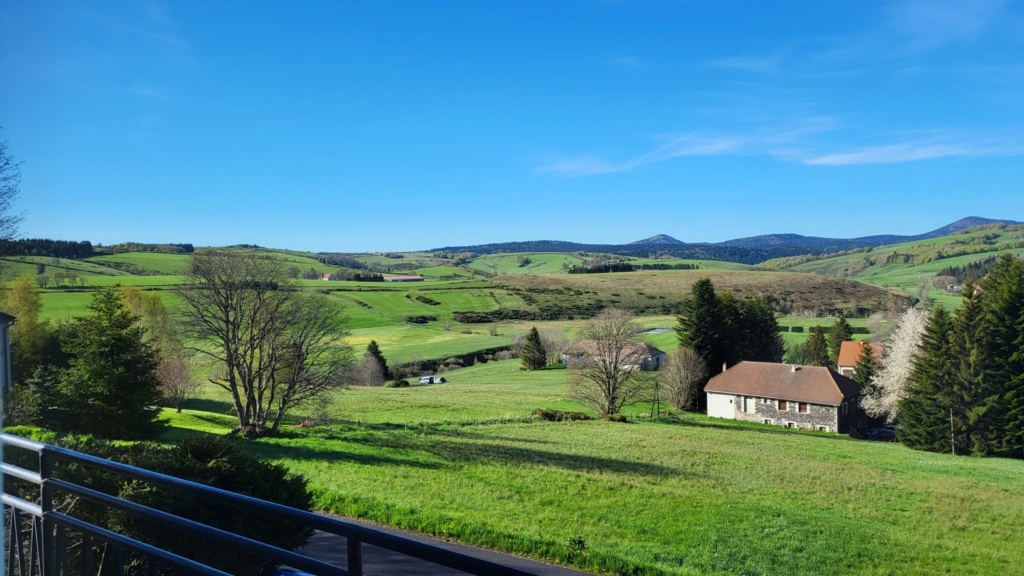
{"points": [[889, 385], [369, 372], [682, 377], [279, 346], [175, 377], [606, 373], [555, 343], [10, 189], [875, 323]]}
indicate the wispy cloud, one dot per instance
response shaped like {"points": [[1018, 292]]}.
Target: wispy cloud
{"points": [[914, 151], [677, 146], [801, 145]]}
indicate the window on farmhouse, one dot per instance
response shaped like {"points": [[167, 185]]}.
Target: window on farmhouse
{"points": [[802, 407], [783, 406]]}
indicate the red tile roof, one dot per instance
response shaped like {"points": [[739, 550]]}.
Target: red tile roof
{"points": [[813, 384], [849, 352]]}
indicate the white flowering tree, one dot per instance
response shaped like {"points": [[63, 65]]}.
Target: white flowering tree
{"points": [[889, 385]]}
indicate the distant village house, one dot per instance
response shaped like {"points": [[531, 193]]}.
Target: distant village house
{"points": [[849, 354], [633, 356], [806, 397]]}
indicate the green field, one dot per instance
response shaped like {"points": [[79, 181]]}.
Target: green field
{"points": [[151, 262], [540, 263], [925, 258], [684, 495]]}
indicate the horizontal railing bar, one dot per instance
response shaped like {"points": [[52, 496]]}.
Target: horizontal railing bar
{"points": [[400, 544], [23, 505], [191, 526], [20, 442], [190, 566], [27, 475]]}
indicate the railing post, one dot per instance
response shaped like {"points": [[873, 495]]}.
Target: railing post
{"points": [[49, 552], [355, 556]]}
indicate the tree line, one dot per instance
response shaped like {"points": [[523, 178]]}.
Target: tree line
{"points": [[46, 247], [965, 389]]}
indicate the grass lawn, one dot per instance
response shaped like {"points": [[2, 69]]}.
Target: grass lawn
{"points": [[686, 495]]}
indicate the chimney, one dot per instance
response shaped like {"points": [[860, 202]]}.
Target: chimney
{"points": [[724, 366], [795, 367]]}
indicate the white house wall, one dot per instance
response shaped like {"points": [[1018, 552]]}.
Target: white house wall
{"points": [[721, 405]]}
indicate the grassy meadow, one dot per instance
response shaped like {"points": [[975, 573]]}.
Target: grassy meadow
{"points": [[683, 495]]}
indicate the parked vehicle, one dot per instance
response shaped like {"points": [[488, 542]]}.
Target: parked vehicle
{"points": [[884, 433], [432, 380]]}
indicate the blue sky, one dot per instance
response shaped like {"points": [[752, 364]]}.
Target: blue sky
{"points": [[378, 125]]}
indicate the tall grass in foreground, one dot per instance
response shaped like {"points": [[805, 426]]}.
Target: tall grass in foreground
{"points": [[687, 495]]}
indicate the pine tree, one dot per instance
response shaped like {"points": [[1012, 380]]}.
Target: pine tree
{"points": [[704, 325], [925, 410], [817, 348], [839, 332], [758, 333], [373, 350], [533, 356], [111, 388], [866, 368], [976, 401], [1002, 325]]}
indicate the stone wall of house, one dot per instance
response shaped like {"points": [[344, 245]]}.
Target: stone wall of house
{"points": [[767, 411]]}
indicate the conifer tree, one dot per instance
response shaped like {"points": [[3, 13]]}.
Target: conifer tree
{"points": [[758, 334], [839, 332], [925, 410], [972, 394], [817, 347], [1002, 326], [533, 356], [705, 326], [111, 388], [866, 368], [373, 350]]}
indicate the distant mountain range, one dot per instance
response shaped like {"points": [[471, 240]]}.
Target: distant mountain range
{"points": [[751, 250]]}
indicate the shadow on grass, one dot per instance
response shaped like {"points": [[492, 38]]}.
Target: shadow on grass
{"points": [[282, 452], [452, 446], [348, 430], [205, 405], [485, 453]]}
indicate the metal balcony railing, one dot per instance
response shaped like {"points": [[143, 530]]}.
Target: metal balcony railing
{"points": [[39, 540]]}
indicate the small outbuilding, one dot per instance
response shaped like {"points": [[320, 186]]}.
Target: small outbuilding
{"points": [[789, 395]]}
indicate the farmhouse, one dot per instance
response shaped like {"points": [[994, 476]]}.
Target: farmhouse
{"points": [[634, 355], [409, 278], [849, 353], [327, 277], [808, 397]]}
